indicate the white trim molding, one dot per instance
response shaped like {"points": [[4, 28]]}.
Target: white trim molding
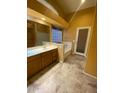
{"points": [[89, 75], [87, 42]]}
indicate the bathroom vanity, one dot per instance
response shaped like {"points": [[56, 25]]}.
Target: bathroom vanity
{"points": [[39, 58], [41, 52]]}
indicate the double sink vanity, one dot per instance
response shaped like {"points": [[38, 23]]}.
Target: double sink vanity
{"points": [[39, 57], [41, 52]]}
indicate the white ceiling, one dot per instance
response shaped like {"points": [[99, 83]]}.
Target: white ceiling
{"points": [[69, 6]]}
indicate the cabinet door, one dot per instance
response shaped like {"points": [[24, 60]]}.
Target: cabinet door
{"points": [[55, 55], [34, 65], [46, 59]]}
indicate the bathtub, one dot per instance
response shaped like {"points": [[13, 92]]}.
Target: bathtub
{"points": [[67, 48]]}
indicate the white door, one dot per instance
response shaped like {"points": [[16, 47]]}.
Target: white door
{"points": [[82, 39]]}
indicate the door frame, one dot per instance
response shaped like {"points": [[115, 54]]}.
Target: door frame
{"points": [[87, 41]]}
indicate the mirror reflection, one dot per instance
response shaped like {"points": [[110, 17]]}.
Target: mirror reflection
{"points": [[37, 34]]}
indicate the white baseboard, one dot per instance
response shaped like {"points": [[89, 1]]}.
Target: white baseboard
{"points": [[89, 75]]}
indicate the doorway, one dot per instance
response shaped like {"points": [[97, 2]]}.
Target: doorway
{"points": [[82, 39]]}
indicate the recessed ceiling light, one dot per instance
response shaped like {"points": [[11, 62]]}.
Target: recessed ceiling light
{"points": [[82, 1], [43, 18]]}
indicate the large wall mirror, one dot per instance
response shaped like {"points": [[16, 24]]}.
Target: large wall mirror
{"points": [[37, 33]]}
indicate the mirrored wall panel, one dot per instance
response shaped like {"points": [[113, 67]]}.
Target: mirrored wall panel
{"points": [[37, 33]]}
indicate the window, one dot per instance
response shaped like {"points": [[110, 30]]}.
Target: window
{"points": [[56, 35]]}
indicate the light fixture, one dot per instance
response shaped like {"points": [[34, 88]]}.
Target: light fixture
{"points": [[82, 1], [43, 18]]}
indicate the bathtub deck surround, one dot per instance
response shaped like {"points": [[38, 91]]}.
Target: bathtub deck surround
{"points": [[67, 77], [67, 49], [67, 46], [64, 49]]}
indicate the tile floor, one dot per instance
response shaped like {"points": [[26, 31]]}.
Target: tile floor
{"points": [[67, 77]]}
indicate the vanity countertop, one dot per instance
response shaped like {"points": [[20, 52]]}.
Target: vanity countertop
{"points": [[39, 49]]}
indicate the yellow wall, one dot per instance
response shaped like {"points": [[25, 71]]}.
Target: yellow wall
{"points": [[91, 65], [82, 18], [85, 18]]}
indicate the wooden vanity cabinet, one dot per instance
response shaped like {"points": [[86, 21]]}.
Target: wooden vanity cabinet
{"points": [[49, 57], [38, 62]]}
